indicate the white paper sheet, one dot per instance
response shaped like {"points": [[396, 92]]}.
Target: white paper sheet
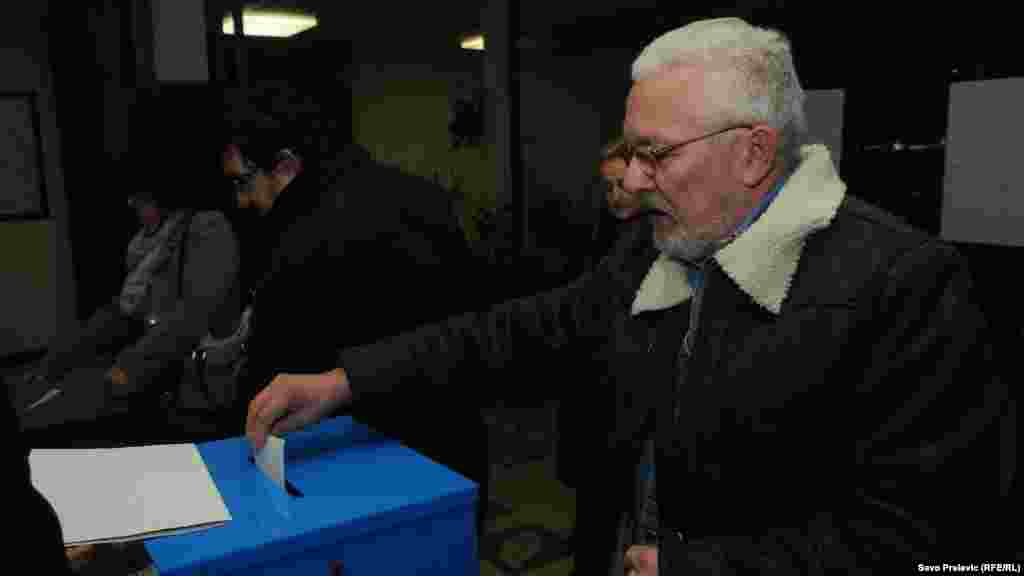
{"points": [[124, 494], [270, 460]]}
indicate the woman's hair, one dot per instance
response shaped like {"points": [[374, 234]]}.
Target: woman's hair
{"points": [[175, 158], [260, 136]]}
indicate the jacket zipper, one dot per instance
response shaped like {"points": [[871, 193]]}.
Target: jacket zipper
{"points": [[686, 350], [685, 357]]}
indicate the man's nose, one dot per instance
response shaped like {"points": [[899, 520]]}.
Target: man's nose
{"points": [[636, 180]]}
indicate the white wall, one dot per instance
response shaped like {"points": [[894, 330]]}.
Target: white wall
{"points": [[400, 107], [179, 41], [824, 110], [982, 198], [36, 283]]}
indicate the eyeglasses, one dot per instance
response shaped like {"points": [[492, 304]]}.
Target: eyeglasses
{"points": [[651, 156]]}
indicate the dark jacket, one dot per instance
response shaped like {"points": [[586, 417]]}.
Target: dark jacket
{"points": [[38, 540], [370, 255], [581, 461], [838, 389], [349, 263]]}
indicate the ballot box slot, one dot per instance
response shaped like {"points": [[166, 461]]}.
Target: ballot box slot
{"points": [[288, 486]]}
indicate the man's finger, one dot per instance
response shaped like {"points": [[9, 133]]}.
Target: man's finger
{"points": [[642, 559], [264, 418], [295, 421], [251, 417], [261, 398], [257, 437], [256, 405]]}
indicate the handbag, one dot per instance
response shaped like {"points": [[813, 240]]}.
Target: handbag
{"points": [[211, 371], [216, 364]]}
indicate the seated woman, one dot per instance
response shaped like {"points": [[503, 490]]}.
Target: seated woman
{"points": [[132, 363]]}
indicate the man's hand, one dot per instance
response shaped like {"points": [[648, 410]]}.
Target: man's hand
{"points": [[641, 561], [79, 556], [293, 401]]}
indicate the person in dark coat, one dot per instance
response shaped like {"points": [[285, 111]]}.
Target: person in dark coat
{"points": [[580, 460], [817, 377], [345, 255]]}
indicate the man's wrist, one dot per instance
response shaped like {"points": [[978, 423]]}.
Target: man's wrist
{"points": [[340, 386], [337, 376]]}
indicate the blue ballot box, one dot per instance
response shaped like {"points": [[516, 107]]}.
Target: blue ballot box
{"points": [[363, 504]]}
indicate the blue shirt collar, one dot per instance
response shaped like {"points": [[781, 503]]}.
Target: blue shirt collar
{"points": [[765, 202]]}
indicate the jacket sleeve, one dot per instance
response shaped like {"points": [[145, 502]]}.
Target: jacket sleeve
{"points": [[932, 456], [441, 355], [298, 296], [210, 270]]}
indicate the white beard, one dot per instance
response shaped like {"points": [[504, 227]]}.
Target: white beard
{"points": [[688, 250], [693, 248]]}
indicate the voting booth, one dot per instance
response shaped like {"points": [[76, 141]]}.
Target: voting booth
{"points": [[356, 503]]}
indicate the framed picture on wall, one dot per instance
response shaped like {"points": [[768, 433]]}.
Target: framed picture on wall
{"points": [[22, 182]]}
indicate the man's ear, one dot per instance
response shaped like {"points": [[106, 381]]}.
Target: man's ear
{"points": [[758, 157]]}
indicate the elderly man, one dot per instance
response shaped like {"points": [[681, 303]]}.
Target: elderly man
{"points": [[814, 374]]}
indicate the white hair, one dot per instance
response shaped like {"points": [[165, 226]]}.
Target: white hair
{"points": [[750, 76]]}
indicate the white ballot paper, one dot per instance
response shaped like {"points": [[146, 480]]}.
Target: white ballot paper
{"points": [[125, 494], [270, 460]]}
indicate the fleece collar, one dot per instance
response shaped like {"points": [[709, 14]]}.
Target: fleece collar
{"points": [[762, 259]]}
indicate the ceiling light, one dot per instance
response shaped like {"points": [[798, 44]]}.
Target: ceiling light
{"points": [[473, 42], [270, 23]]}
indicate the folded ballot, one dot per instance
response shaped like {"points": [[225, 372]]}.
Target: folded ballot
{"points": [[125, 494], [270, 460]]}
